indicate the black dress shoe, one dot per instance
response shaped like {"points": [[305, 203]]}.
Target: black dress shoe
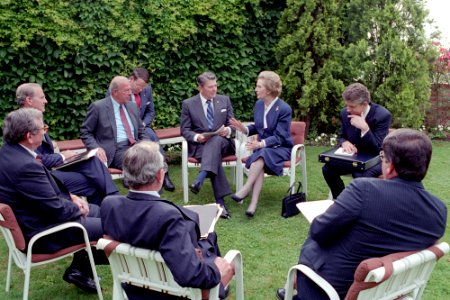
{"points": [[226, 292], [225, 214], [81, 280], [237, 199], [195, 186], [280, 294], [168, 185]]}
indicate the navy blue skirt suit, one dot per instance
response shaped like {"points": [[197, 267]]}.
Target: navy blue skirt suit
{"points": [[276, 136]]}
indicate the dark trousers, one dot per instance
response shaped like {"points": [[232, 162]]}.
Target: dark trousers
{"points": [[332, 176], [88, 178], [210, 155]]}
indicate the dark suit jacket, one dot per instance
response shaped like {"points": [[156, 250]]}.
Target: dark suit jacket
{"points": [[278, 131], [378, 119], [34, 196], [193, 119], [163, 226], [99, 127], [371, 218], [147, 109], [47, 153]]}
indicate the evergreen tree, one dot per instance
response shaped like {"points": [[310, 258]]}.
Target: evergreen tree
{"points": [[379, 43]]}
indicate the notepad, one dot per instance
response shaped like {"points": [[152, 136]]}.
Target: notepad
{"points": [[311, 209], [77, 158], [341, 151], [208, 215]]}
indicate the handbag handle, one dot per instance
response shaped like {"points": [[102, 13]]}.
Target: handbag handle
{"points": [[299, 188]]}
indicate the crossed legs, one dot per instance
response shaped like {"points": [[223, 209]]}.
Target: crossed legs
{"points": [[254, 182]]}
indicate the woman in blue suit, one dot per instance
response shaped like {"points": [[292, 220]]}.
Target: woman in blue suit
{"points": [[272, 122]]}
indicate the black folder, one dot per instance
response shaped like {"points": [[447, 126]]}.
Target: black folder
{"points": [[358, 161]]}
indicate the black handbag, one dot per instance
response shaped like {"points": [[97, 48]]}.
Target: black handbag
{"points": [[289, 202]]}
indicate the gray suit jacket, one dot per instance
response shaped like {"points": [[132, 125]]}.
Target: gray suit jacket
{"points": [[99, 127], [193, 119]]}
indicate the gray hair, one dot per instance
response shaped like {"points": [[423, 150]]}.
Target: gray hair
{"points": [[141, 163], [20, 122], [356, 93], [204, 77], [25, 90]]}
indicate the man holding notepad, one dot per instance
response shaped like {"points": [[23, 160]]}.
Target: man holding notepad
{"points": [[89, 178], [161, 225], [364, 125]]}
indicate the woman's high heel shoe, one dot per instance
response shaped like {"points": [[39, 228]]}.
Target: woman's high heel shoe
{"points": [[250, 213], [237, 199]]}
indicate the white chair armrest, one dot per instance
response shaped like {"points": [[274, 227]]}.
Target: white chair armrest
{"points": [[236, 257], [53, 230], [307, 271]]}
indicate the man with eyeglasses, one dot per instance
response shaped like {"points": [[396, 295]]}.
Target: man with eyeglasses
{"points": [[142, 95], [374, 217], [364, 125], [89, 178], [39, 201]]}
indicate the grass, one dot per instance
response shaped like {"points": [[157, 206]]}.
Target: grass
{"points": [[269, 243]]}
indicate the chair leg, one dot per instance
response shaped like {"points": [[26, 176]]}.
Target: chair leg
{"points": [[26, 284], [8, 273], [94, 271]]}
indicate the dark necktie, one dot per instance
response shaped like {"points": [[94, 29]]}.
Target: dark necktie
{"points": [[126, 125], [38, 158], [210, 114], [138, 100]]}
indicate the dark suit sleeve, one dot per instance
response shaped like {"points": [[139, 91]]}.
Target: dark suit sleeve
{"points": [[37, 186], [339, 217], [176, 243], [379, 128], [186, 122], [51, 160], [89, 127], [149, 112]]}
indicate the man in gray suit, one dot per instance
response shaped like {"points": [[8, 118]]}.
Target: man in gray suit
{"points": [[113, 124], [207, 112]]}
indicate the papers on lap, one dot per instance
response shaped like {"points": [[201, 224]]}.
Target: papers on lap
{"points": [[77, 158], [208, 134], [208, 215], [311, 209], [341, 151]]}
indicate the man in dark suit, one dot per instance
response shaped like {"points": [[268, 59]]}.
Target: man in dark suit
{"points": [[163, 226], [207, 112], [39, 200], [88, 178], [142, 95], [374, 217], [364, 125]]}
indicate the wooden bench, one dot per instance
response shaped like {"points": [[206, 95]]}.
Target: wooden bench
{"points": [[166, 136]]}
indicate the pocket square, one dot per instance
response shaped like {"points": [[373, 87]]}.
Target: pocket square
{"points": [[223, 110]]}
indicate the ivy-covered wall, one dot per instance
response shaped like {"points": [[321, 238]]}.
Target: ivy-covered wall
{"points": [[73, 48]]}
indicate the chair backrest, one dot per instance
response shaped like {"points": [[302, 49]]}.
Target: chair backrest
{"points": [[143, 267], [395, 275], [10, 228], [298, 132]]}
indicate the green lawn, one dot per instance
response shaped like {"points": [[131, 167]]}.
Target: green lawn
{"points": [[269, 243]]}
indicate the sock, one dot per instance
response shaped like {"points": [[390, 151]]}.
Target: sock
{"points": [[220, 201], [201, 176]]}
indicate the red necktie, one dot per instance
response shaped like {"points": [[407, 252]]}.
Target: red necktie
{"points": [[126, 125], [138, 100], [38, 158]]}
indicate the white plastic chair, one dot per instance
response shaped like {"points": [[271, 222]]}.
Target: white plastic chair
{"points": [[25, 261], [403, 274], [146, 268], [189, 162], [298, 157]]}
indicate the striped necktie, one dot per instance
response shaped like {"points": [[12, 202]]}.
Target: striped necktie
{"points": [[210, 114]]}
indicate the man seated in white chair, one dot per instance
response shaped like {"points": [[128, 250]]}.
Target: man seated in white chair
{"points": [[374, 217], [144, 220]]}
